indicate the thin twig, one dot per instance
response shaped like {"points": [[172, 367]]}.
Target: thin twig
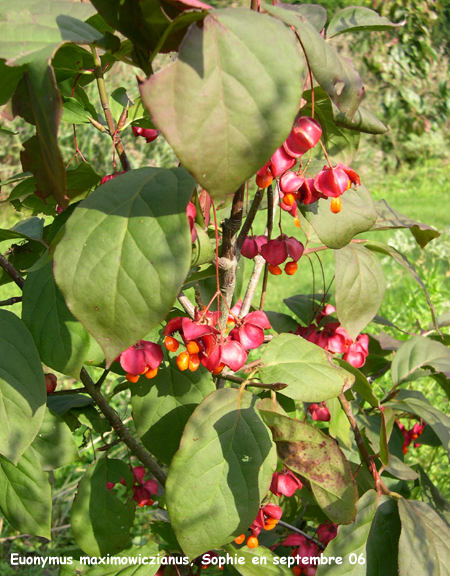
{"points": [[12, 272], [237, 380], [250, 218], [123, 432], [108, 116], [11, 301]]}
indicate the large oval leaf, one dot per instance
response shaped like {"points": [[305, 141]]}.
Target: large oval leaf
{"points": [[307, 369], [22, 387], [416, 353], [62, 341], [125, 255], [25, 495], [55, 444], [230, 99], [359, 287], [221, 472], [100, 522], [358, 215], [163, 405], [315, 456]]}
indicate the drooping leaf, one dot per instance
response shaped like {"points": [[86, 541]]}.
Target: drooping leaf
{"points": [[22, 387], [351, 539], [361, 385], [401, 259], [433, 497], [281, 322], [193, 101], [125, 255], [309, 452], [100, 522], [400, 470], [81, 180], [32, 30], [424, 544], [31, 228], [202, 249], [339, 424], [257, 560], [390, 219], [336, 75], [414, 402], [62, 341], [416, 353], [163, 405], [356, 18], [362, 121], [62, 404], [382, 543], [307, 369], [11, 76], [41, 154], [54, 443], [90, 417], [337, 230], [25, 494], [221, 472], [359, 287]]}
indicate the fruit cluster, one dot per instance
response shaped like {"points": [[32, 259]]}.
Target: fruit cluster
{"points": [[142, 491], [207, 345], [143, 358], [275, 252], [267, 518], [330, 182], [333, 337], [411, 435]]}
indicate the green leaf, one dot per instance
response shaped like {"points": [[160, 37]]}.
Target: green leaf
{"points": [[81, 180], [387, 423], [163, 405], [306, 306], [32, 30], [351, 539], [307, 369], [403, 261], [202, 249], [390, 219], [337, 230], [433, 497], [362, 121], [100, 522], [26, 229], [62, 404], [382, 544], [11, 76], [361, 385], [71, 60], [315, 14], [166, 535], [125, 254], [54, 443], [359, 287], [118, 102], [414, 402], [309, 452], [400, 470], [62, 341], [221, 472], [336, 75], [193, 101], [134, 567], [74, 112], [339, 424], [22, 387], [419, 352], [25, 495], [281, 322], [356, 18], [424, 545], [41, 154], [90, 417], [257, 561]]}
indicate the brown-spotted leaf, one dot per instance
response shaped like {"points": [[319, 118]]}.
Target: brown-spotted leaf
{"points": [[315, 456]]}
